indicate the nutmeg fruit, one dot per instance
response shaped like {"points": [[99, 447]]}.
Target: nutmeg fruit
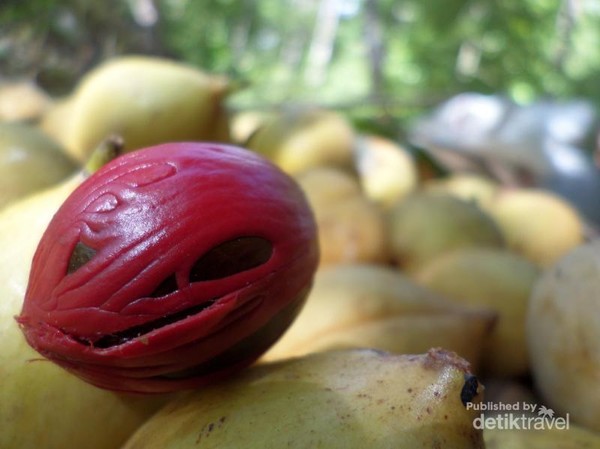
{"points": [[170, 267]]}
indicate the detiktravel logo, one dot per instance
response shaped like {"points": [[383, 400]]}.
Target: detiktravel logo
{"points": [[517, 416]]}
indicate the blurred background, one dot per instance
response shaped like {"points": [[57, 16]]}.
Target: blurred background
{"points": [[509, 89], [384, 58]]}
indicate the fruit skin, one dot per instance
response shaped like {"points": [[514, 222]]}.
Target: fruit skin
{"points": [[53, 121], [42, 405], [326, 186], [387, 171], [496, 279], [152, 216], [342, 399], [147, 101], [22, 101], [351, 227], [425, 225], [375, 306], [29, 161], [574, 437], [543, 236], [467, 186], [299, 138], [245, 123], [563, 334]]}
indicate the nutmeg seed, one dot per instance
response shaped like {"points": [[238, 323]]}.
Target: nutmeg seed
{"points": [[171, 267]]}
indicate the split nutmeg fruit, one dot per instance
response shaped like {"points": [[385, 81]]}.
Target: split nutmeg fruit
{"points": [[171, 267]]}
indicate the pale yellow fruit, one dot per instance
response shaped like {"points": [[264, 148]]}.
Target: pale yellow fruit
{"points": [[351, 399], [386, 170], [352, 231], [367, 305], [563, 332], [467, 186], [29, 161], [493, 278], [244, 124], [22, 101], [537, 223], [327, 185], [424, 226], [55, 119], [351, 228], [147, 101], [42, 405], [572, 438], [297, 139]]}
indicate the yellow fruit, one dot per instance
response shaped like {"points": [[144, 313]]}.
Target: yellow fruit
{"points": [[572, 438], [300, 138], [327, 185], [245, 123], [537, 223], [352, 399], [496, 279], [41, 405], [351, 228], [22, 101], [563, 333], [146, 101], [424, 226], [467, 186], [29, 161], [386, 170], [53, 121], [367, 305], [352, 231]]}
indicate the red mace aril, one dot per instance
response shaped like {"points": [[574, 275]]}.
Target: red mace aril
{"points": [[171, 267]]}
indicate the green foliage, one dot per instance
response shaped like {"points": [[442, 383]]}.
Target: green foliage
{"points": [[524, 48], [55, 42], [364, 56]]}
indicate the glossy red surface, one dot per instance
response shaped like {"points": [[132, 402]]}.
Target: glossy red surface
{"points": [[195, 249]]}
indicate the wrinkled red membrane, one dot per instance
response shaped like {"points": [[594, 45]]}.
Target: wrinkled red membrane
{"points": [[171, 267]]}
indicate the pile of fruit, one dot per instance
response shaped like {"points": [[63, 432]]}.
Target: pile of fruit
{"points": [[435, 298]]}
